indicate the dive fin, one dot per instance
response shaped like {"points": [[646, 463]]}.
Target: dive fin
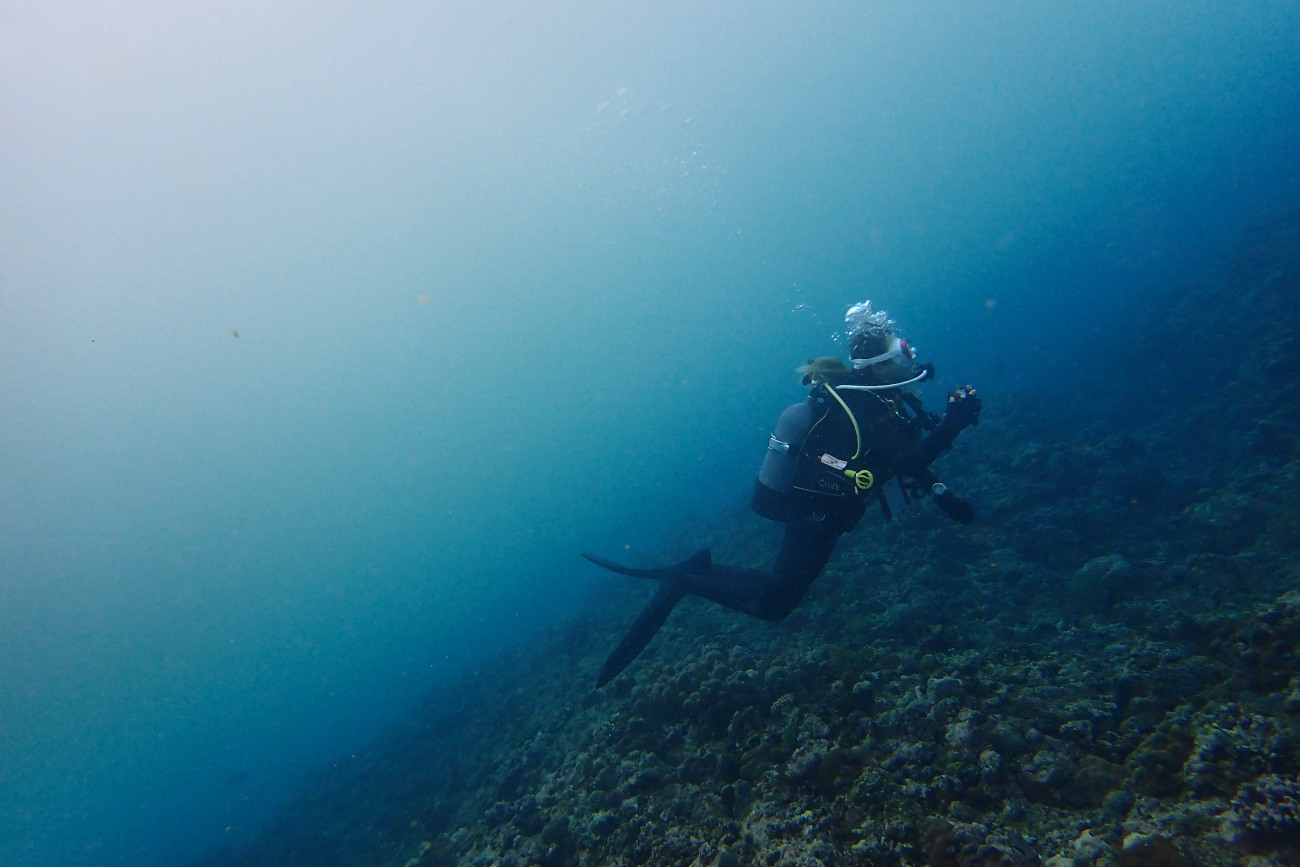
{"points": [[642, 629], [699, 562], [647, 623]]}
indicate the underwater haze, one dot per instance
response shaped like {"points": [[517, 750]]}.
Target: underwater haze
{"points": [[333, 332]]}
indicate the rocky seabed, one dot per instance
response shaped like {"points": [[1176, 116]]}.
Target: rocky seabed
{"points": [[1104, 670]]}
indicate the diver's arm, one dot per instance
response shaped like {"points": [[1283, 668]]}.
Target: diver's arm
{"points": [[953, 506], [963, 411]]}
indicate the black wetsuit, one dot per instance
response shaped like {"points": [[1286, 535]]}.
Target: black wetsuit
{"points": [[879, 436]]}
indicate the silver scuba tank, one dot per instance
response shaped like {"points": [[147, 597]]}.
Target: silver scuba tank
{"points": [[784, 446]]}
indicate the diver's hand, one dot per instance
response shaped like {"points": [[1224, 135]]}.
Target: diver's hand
{"points": [[963, 409], [954, 507]]}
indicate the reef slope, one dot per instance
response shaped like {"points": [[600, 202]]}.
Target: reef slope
{"points": [[1103, 670]]}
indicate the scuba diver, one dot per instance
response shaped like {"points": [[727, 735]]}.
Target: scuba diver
{"points": [[861, 437]]}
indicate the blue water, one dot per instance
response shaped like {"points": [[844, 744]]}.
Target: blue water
{"points": [[332, 335]]}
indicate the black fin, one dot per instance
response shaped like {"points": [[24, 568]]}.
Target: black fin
{"points": [[642, 630], [699, 562], [652, 617], [959, 510]]}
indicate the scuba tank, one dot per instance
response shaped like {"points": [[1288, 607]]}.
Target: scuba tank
{"points": [[828, 448], [785, 445], [774, 496]]}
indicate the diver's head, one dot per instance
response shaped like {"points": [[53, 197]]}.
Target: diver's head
{"points": [[875, 348]]}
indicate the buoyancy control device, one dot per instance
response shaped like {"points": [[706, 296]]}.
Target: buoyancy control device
{"points": [[835, 445]]}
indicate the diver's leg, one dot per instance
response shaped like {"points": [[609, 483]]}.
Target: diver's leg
{"points": [[803, 555], [805, 549]]}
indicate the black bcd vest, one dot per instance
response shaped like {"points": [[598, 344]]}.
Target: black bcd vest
{"points": [[886, 431]]}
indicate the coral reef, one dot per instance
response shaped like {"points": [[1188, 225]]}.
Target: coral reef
{"points": [[1104, 670], [1266, 811]]}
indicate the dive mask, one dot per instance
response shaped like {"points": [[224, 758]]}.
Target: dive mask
{"points": [[900, 352]]}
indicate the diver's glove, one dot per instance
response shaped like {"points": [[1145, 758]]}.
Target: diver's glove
{"points": [[953, 506], [963, 409]]}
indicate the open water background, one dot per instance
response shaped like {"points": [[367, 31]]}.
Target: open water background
{"points": [[333, 332]]}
